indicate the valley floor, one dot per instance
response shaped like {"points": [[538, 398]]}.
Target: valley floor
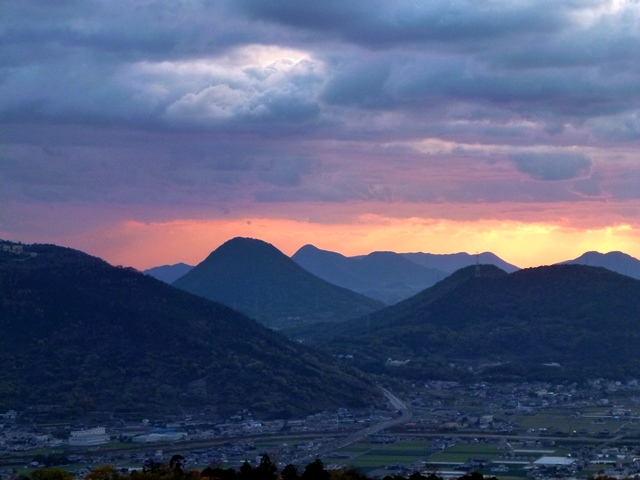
{"points": [[509, 431]]}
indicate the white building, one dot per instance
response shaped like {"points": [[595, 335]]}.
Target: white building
{"points": [[160, 437], [86, 438], [554, 461]]}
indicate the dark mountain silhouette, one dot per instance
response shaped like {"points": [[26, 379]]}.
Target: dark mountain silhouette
{"points": [[82, 335], [169, 273], [385, 276], [256, 278], [560, 321], [452, 262], [615, 261]]}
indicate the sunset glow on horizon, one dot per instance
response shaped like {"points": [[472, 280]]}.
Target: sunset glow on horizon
{"points": [[146, 245], [524, 245]]}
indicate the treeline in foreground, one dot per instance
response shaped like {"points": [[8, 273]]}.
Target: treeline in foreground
{"points": [[266, 470]]}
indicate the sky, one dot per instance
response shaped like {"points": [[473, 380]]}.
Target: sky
{"points": [[150, 132]]}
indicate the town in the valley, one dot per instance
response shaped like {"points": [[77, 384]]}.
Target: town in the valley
{"points": [[526, 430]]}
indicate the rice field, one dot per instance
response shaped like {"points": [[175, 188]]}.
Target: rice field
{"points": [[367, 455]]}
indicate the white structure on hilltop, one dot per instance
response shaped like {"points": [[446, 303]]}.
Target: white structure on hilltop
{"points": [[85, 438]]}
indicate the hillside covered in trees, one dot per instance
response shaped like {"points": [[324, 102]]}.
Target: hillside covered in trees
{"points": [[560, 321], [258, 279], [82, 335]]}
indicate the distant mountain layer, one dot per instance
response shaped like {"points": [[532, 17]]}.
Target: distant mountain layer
{"points": [[561, 321], [452, 262], [256, 278], [615, 261], [169, 273], [388, 276], [82, 336], [385, 276]]}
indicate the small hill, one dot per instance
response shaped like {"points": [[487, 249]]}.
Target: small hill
{"points": [[258, 279], [385, 276], [452, 262], [556, 322], [169, 273], [615, 261], [80, 335]]}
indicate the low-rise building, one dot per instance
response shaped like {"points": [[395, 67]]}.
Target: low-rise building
{"points": [[160, 437], [89, 437]]}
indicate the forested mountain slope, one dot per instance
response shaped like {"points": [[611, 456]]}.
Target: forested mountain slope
{"points": [[82, 335], [258, 279], [568, 321]]}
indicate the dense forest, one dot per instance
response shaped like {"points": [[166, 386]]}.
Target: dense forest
{"points": [[256, 278], [80, 335], [549, 323]]}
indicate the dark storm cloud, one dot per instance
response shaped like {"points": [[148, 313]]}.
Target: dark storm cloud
{"points": [[178, 102], [147, 169], [285, 172], [589, 187], [622, 128], [361, 84], [125, 31], [422, 82], [552, 166], [626, 186], [382, 24], [143, 63]]}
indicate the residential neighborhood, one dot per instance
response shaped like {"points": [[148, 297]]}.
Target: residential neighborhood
{"points": [[529, 430]]}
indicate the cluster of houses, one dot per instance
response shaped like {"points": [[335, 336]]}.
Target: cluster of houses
{"points": [[98, 436], [15, 249], [445, 412]]}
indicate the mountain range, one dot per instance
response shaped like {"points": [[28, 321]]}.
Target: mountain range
{"points": [[615, 261], [385, 276], [169, 273], [80, 335], [560, 321], [258, 279], [388, 276], [451, 262]]}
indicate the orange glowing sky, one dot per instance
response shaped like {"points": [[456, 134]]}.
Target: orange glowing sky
{"points": [[524, 245], [536, 242]]}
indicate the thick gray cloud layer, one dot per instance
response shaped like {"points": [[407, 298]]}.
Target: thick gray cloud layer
{"points": [[286, 101], [542, 166]]}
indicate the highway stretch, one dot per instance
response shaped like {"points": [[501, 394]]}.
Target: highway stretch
{"points": [[403, 414]]}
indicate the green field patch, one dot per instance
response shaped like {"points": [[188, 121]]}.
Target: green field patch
{"points": [[463, 453], [404, 448], [559, 423], [590, 471], [375, 461], [358, 448], [451, 457], [399, 453], [373, 455], [476, 449], [412, 447]]}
